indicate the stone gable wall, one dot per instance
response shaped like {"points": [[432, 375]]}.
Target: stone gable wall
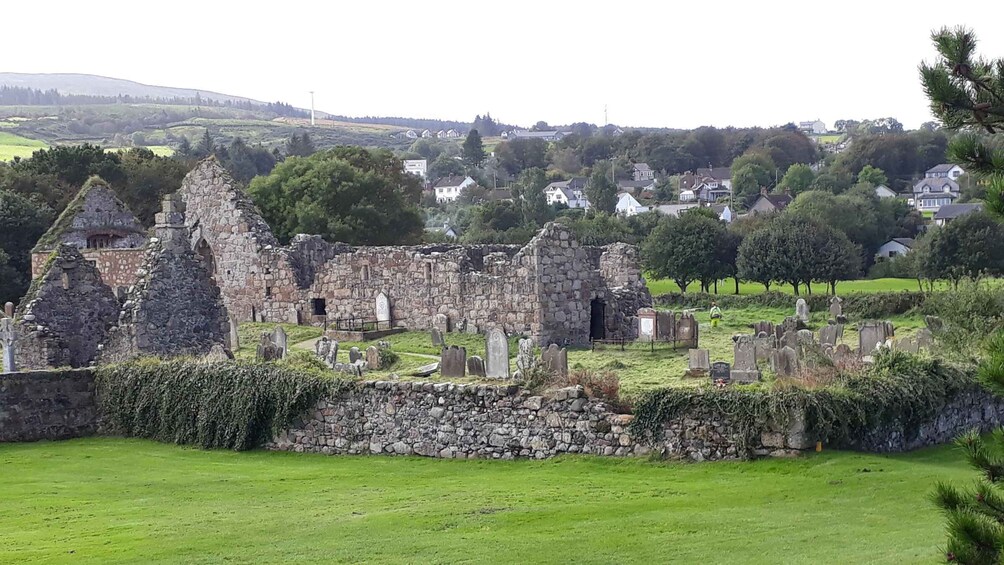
{"points": [[47, 405], [117, 267]]}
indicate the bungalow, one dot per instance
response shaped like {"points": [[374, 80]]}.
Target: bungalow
{"points": [[552, 135], [723, 211], [447, 230], [567, 193], [944, 171], [816, 127], [636, 187], [895, 247], [931, 193], [883, 191], [627, 205], [949, 212], [770, 203], [641, 171], [448, 189], [418, 167]]}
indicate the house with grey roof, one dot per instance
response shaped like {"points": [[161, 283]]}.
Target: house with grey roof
{"points": [[944, 171], [568, 193], [895, 247], [949, 212], [552, 135], [770, 203], [931, 193], [641, 171]]}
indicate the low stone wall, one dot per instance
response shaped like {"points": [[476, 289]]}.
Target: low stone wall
{"points": [[49, 405], [499, 422], [973, 409]]}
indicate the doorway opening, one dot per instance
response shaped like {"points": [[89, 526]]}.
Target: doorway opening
{"points": [[597, 317]]}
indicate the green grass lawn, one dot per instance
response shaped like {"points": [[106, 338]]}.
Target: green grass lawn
{"points": [[16, 146], [663, 286], [107, 500]]}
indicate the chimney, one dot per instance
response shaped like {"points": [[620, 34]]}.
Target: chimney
{"points": [[763, 191], [170, 224]]}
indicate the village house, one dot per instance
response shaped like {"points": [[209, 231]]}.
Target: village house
{"points": [[949, 212], [628, 206], [448, 189], [641, 171], [418, 167], [944, 171], [411, 134], [883, 191], [707, 185], [895, 247], [931, 193], [642, 188], [723, 211], [570, 193], [427, 134], [674, 209], [552, 135], [815, 127], [449, 231], [770, 203]]}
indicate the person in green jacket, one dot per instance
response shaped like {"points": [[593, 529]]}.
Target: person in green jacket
{"points": [[716, 314]]}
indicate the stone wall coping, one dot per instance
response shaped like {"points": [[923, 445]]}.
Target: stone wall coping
{"points": [[478, 389]]}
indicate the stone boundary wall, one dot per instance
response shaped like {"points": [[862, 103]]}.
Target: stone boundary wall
{"points": [[47, 405], [118, 267]]}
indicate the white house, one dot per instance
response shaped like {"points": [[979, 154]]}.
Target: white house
{"points": [[895, 247], [448, 189], [428, 134], [641, 171], [931, 193], [568, 193], [883, 191], [944, 171], [411, 134], [552, 135], [417, 167], [816, 127], [627, 205], [723, 211]]}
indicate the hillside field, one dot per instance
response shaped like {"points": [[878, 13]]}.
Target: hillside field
{"points": [[663, 286], [12, 145], [108, 500]]}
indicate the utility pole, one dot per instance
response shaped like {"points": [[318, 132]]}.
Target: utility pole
{"points": [[311, 107]]}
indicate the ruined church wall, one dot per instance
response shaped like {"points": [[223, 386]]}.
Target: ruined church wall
{"points": [[117, 267], [47, 405]]}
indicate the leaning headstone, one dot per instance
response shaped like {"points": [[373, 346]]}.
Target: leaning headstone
{"points": [[720, 372], [842, 353], [555, 360], [497, 354], [784, 361], [744, 368], [322, 347], [280, 340], [267, 349], [525, 361], [802, 310], [437, 337], [646, 324], [476, 366], [354, 354], [837, 309], [699, 362], [791, 324], [789, 339], [831, 334], [373, 358], [453, 362], [763, 344], [8, 341], [441, 322]]}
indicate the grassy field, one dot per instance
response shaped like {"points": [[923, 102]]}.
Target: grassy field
{"points": [[160, 150], [662, 286], [16, 146], [131, 501]]}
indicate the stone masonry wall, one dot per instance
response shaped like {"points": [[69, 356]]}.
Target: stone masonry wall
{"points": [[47, 405], [117, 267]]}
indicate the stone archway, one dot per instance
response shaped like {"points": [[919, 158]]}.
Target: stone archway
{"points": [[205, 253]]}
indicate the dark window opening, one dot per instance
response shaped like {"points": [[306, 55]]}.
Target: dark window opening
{"points": [[205, 254], [597, 323], [268, 292], [101, 241], [428, 272], [319, 306], [365, 273]]}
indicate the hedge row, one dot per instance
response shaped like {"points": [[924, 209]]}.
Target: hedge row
{"points": [[859, 305]]}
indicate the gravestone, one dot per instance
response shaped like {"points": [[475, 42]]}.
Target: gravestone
{"points": [[934, 323], [497, 354], [687, 331], [280, 340], [461, 326], [321, 348], [831, 334], [267, 349], [791, 324], [453, 362], [720, 372], [555, 360], [763, 344], [441, 322], [8, 341], [646, 324], [524, 357], [217, 354], [925, 339], [235, 338], [871, 335], [373, 358], [425, 370], [763, 326], [789, 339], [476, 366], [837, 310], [437, 337], [382, 311], [907, 345], [665, 326], [802, 310], [332, 357], [699, 362], [354, 354], [744, 368], [842, 353], [784, 361]]}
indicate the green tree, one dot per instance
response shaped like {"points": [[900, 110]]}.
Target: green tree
{"points": [[149, 179], [300, 146], [347, 194], [685, 249], [205, 147], [798, 178], [22, 222], [750, 173], [872, 175], [445, 166], [473, 150], [757, 258], [528, 192], [967, 247], [601, 190]]}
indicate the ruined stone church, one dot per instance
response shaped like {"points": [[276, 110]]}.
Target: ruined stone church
{"points": [[552, 289]]}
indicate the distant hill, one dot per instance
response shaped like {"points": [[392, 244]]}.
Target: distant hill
{"points": [[94, 85]]}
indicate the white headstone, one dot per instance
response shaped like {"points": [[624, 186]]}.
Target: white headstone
{"points": [[382, 309], [8, 337], [497, 354], [802, 310]]}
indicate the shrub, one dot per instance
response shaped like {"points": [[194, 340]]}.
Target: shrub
{"points": [[861, 305], [388, 358], [217, 405], [604, 386], [973, 312]]}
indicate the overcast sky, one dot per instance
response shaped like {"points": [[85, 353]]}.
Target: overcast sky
{"points": [[669, 63]]}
